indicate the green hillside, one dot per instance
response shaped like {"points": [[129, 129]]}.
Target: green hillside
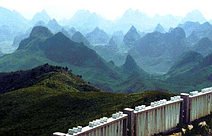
{"points": [[41, 111], [50, 98], [45, 76], [194, 72], [185, 62]]}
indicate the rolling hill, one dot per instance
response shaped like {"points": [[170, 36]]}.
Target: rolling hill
{"points": [[39, 111], [57, 100], [45, 76]]}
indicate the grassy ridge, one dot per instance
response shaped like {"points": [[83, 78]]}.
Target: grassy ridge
{"points": [[53, 77], [41, 111]]}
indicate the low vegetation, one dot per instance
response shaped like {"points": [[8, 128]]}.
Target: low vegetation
{"points": [[62, 101]]}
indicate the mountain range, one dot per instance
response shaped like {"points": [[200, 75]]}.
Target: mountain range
{"points": [[102, 57], [159, 50], [13, 20], [42, 46], [194, 16], [53, 76], [130, 17], [85, 21]]}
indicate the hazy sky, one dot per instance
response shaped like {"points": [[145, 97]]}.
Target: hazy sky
{"points": [[109, 9]]}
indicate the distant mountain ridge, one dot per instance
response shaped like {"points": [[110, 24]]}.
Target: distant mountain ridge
{"points": [[189, 27], [159, 50], [195, 31], [91, 20], [97, 37], [13, 19], [54, 26], [143, 22], [6, 33], [1, 54], [159, 28], [78, 37], [204, 46], [38, 32], [131, 36], [11, 24], [131, 17], [40, 16], [195, 16], [86, 21], [130, 66], [205, 30], [60, 49]]}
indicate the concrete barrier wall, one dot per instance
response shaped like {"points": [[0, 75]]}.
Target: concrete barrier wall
{"points": [[114, 126], [156, 119], [200, 103]]}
